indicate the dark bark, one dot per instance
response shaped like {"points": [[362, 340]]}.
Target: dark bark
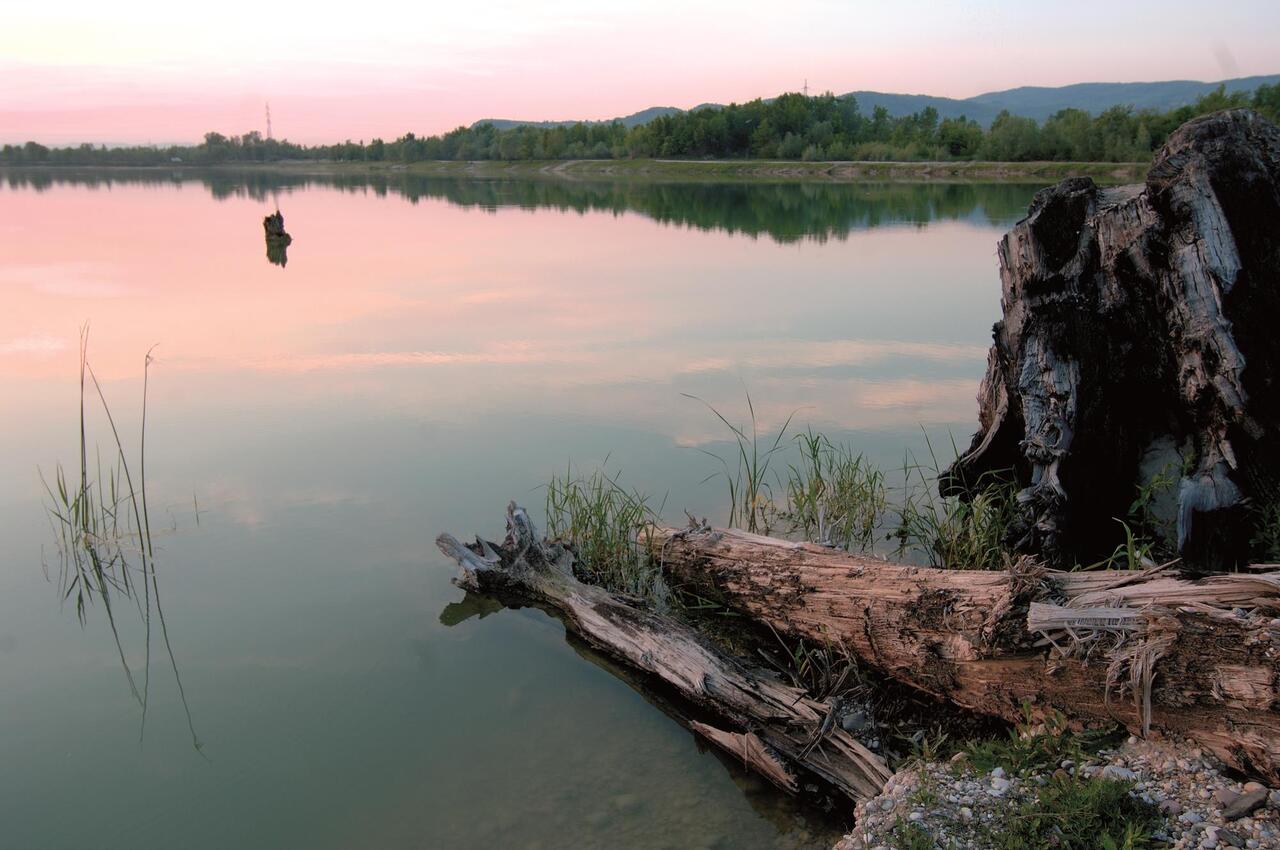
{"points": [[1139, 337]]}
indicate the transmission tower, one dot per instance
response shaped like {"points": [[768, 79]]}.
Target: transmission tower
{"points": [[268, 119]]}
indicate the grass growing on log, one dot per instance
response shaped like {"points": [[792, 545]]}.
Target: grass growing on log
{"points": [[608, 527]]}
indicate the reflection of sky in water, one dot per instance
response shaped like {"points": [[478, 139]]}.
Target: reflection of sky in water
{"points": [[415, 366]]}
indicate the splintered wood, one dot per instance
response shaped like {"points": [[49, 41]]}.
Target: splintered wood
{"points": [[1151, 650], [772, 727]]}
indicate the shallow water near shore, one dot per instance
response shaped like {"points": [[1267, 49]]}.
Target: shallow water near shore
{"points": [[432, 349]]}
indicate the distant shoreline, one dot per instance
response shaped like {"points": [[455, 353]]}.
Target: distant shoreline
{"points": [[778, 171]]}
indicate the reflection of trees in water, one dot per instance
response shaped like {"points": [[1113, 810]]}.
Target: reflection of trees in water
{"points": [[785, 212]]}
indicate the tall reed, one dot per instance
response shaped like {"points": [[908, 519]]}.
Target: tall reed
{"points": [[748, 477], [102, 532], [948, 531], [834, 495]]}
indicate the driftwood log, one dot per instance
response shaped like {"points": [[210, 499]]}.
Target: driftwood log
{"points": [[772, 727], [1139, 340], [1150, 650]]}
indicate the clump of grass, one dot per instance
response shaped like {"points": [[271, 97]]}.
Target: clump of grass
{"points": [[1137, 552], [102, 533], [911, 836], [751, 504], [1144, 511], [930, 745], [1032, 748], [827, 672], [834, 496], [1265, 543], [948, 531], [1080, 814], [609, 528]]}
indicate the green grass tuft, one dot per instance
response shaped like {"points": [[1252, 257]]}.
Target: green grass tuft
{"points": [[947, 531], [748, 480], [1075, 814], [834, 496], [608, 527], [911, 836], [1034, 748]]}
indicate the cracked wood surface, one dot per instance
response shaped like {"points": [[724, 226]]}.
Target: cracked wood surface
{"points": [[1138, 337], [1192, 657]]}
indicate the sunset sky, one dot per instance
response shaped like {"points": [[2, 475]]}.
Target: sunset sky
{"points": [[83, 70]]}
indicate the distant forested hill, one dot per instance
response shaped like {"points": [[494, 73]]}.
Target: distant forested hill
{"points": [[644, 116], [788, 127], [1038, 102]]}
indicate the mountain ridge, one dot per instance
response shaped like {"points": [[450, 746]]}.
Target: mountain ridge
{"points": [[1038, 102]]}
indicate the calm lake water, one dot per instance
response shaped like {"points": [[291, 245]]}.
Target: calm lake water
{"points": [[432, 349]]}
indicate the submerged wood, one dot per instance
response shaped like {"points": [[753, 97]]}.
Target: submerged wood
{"points": [[770, 725], [1151, 650], [1138, 344]]}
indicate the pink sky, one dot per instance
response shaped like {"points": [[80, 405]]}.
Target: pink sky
{"points": [[147, 71]]}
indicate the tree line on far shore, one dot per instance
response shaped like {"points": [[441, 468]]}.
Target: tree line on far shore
{"points": [[790, 127]]}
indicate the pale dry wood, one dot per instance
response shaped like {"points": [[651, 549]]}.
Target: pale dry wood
{"points": [[780, 720], [753, 752], [1152, 651]]}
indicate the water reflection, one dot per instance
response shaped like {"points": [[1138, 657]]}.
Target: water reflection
{"points": [[437, 349], [102, 535], [784, 212], [471, 605], [798, 824]]}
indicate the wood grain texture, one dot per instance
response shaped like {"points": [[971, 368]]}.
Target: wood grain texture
{"points": [[1152, 651]]}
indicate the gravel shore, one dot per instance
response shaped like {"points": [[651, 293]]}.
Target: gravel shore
{"points": [[959, 807]]}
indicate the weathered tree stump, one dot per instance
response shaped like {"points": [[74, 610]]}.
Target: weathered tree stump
{"points": [[278, 240], [1139, 336]]}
